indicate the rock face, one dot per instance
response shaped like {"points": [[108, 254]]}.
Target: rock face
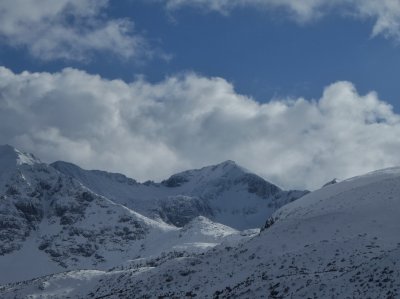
{"points": [[181, 209], [340, 241], [225, 193]]}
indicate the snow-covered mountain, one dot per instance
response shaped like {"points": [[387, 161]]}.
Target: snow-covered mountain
{"points": [[60, 217], [341, 241], [225, 193], [51, 222]]}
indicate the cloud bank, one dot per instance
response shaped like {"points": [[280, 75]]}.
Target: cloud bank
{"points": [[67, 29], [149, 131], [386, 13]]}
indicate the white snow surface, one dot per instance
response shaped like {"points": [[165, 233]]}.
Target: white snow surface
{"points": [[225, 193], [50, 222], [341, 241]]}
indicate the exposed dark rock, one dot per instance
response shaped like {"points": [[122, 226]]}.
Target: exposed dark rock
{"points": [[258, 185], [12, 190], [32, 211], [180, 210], [175, 181]]}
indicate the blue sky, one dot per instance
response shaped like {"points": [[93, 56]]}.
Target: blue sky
{"points": [[264, 54], [266, 83]]}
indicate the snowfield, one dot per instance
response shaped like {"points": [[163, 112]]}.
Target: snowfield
{"points": [[340, 241], [59, 217], [226, 193]]}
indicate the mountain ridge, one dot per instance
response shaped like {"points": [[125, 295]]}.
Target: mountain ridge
{"points": [[62, 219], [340, 241], [220, 192]]}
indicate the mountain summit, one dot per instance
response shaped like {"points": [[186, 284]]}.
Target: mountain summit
{"points": [[10, 158], [61, 217], [340, 241], [223, 175], [226, 193]]}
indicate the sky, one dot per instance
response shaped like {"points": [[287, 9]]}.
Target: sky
{"points": [[299, 92]]}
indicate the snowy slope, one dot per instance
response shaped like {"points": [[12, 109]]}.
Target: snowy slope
{"points": [[50, 222], [226, 193], [341, 241]]}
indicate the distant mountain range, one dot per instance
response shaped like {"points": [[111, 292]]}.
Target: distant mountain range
{"points": [[60, 217], [341, 241], [225, 193]]}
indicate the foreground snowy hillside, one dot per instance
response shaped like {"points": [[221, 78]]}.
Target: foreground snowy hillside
{"points": [[225, 193], [341, 241], [50, 222]]}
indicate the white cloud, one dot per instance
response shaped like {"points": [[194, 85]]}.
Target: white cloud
{"points": [[67, 29], [149, 131], [302, 9], [386, 13]]}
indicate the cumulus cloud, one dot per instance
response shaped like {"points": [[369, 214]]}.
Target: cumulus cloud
{"points": [[386, 13], [150, 131], [67, 29]]}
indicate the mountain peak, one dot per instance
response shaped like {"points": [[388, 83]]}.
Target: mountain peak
{"points": [[228, 166], [225, 169], [227, 162], [11, 157]]}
